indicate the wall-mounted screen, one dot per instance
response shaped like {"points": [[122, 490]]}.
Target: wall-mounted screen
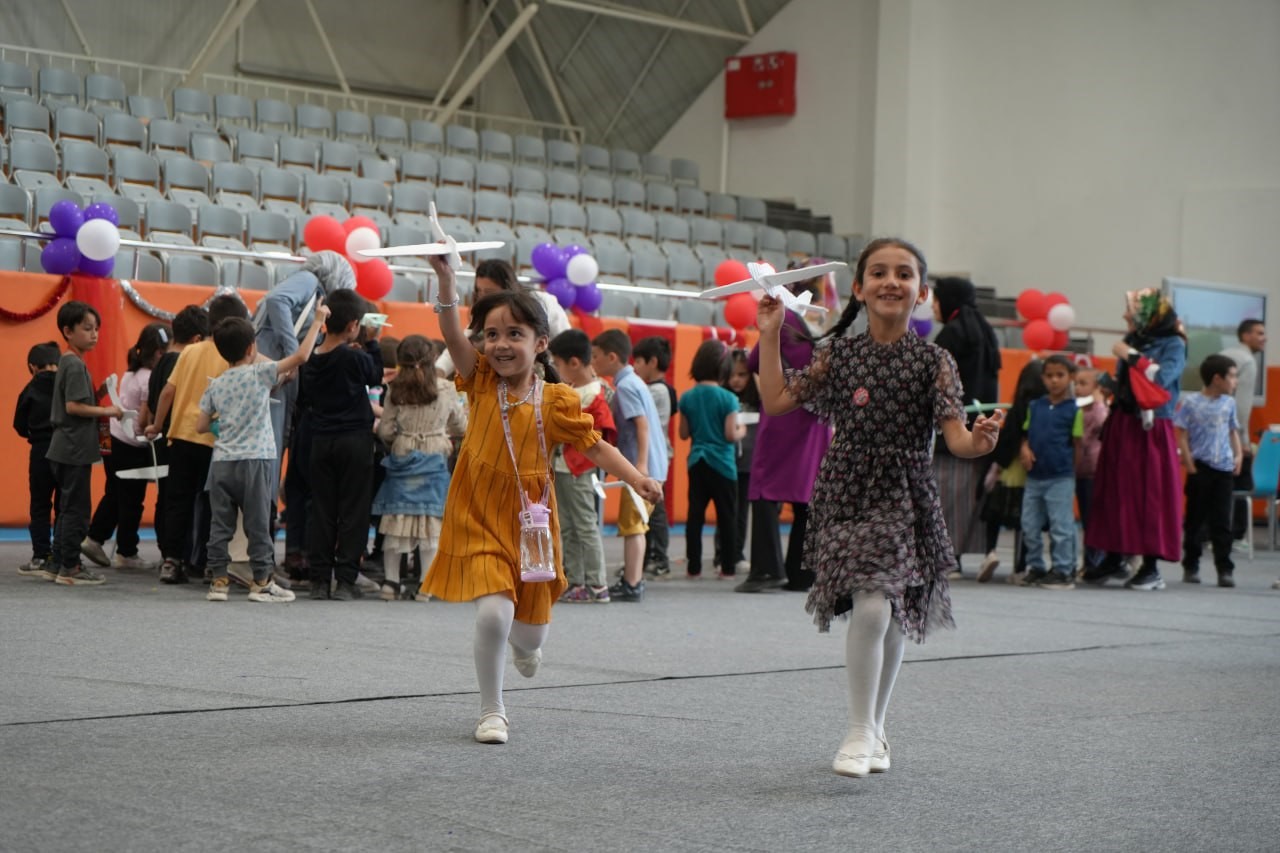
{"points": [[1211, 313]]}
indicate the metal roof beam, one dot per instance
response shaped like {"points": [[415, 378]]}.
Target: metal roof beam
{"points": [[462, 54], [495, 53], [610, 10]]}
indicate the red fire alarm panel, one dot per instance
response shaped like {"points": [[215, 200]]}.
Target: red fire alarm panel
{"points": [[761, 85]]}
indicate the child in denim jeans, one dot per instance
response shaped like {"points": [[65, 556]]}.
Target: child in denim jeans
{"points": [[1054, 427]]}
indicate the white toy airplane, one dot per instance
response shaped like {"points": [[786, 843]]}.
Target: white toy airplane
{"points": [[446, 245], [773, 284]]}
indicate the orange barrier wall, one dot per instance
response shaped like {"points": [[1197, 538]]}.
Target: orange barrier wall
{"points": [[22, 293]]}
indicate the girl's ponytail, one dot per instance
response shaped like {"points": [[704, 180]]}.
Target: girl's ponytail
{"points": [[847, 316], [549, 373]]}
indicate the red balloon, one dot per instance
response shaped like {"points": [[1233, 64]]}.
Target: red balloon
{"points": [[373, 279], [1032, 304], [730, 271], [324, 233], [1052, 299], [739, 309], [1060, 340], [358, 222], [1038, 335]]}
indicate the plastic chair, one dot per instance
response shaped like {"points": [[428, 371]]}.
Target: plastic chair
{"points": [[426, 135], [271, 115], [493, 206], [255, 149], [567, 214], [419, 167], [613, 258], [493, 176], [84, 160], [298, 154], [325, 189], [234, 178], [123, 129], [769, 239], [47, 197], [411, 198], [649, 264], [691, 201], [146, 108], [638, 223], [15, 77], [832, 247], [136, 174], [457, 171], [530, 150], [455, 201], [105, 90], [366, 194], [375, 168], [215, 221], [59, 86], [722, 206], [530, 210], [628, 192], [673, 229], [496, 145], [705, 232], [562, 155], [126, 209], [488, 229], [351, 126], [595, 159], [75, 123], [166, 135], [209, 148], [15, 203], [684, 171], [311, 120], [529, 180], [801, 244], [187, 269], [752, 209], [660, 198], [563, 185], [267, 231], [193, 104], [615, 303], [184, 173], [390, 134], [626, 162], [740, 235], [276, 183], [597, 189], [602, 219], [1266, 480], [461, 141], [655, 167], [33, 155], [338, 157], [231, 112], [26, 118]]}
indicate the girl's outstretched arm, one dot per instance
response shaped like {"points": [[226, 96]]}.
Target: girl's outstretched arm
{"points": [[606, 456], [774, 398], [965, 444], [455, 336]]}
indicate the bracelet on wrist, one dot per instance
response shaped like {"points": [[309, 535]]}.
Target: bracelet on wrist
{"points": [[440, 307]]}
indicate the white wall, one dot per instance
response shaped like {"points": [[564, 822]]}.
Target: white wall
{"points": [[1087, 147], [823, 156]]}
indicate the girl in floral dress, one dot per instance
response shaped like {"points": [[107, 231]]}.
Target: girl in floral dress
{"points": [[876, 538]]}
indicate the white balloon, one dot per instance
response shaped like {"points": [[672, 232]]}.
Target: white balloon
{"points": [[582, 269], [363, 237], [98, 239], [924, 311], [1061, 317]]}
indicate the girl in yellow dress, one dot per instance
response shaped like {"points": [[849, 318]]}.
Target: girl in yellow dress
{"points": [[501, 456]]}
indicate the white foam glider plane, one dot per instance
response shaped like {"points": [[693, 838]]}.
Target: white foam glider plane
{"points": [[774, 284], [446, 245]]}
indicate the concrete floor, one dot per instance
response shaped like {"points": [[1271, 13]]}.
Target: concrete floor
{"points": [[140, 717]]}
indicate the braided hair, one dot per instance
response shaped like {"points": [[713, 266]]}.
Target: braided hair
{"points": [[850, 312]]}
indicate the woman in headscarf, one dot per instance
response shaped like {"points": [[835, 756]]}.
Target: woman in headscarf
{"points": [[1137, 491], [969, 338]]}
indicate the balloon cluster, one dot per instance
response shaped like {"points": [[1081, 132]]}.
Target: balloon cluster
{"points": [[739, 309], [1048, 316], [570, 274], [324, 233], [87, 239], [921, 321]]}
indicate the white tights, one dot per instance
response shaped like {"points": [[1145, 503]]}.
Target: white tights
{"points": [[495, 627], [391, 559], [873, 655]]}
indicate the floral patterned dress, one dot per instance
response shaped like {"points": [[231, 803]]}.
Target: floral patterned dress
{"points": [[876, 522]]}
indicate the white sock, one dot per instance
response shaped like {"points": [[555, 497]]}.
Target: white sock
{"points": [[391, 566], [895, 643], [527, 639], [494, 614], [864, 659]]}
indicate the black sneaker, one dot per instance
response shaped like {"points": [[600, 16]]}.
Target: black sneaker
{"points": [[623, 591], [345, 591], [1226, 580], [319, 592], [1035, 577], [1057, 580], [1101, 574], [1148, 581], [1190, 576], [171, 572]]}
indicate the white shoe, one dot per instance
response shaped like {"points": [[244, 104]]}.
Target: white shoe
{"points": [[218, 590], [880, 757], [122, 562], [365, 585], [492, 728], [270, 592], [856, 764], [527, 666], [94, 551], [989, 566]]}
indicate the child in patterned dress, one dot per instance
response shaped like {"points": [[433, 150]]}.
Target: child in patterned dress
{"points": [[877, 540], [514, 422]]}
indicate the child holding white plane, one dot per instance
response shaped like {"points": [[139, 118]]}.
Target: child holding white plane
{"points": [[877, 541]]}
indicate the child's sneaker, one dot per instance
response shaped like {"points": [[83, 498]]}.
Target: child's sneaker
{"points": [[79, 576], [218, 589], [270, 592], [576, 594], [119, 561], [599, 594], [39, 567], [389, 591], [172, 572], [93, 550], [1057, 580], [623, 591]]}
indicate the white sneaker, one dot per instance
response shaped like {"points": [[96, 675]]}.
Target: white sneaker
{"points": [[365, 585], [270, 592], [94, 551], [527, 666], [122, 562], [218, 590], [492, 728], [989, 566]]}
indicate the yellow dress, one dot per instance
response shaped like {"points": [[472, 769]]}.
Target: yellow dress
{"points": [[480, 541]]}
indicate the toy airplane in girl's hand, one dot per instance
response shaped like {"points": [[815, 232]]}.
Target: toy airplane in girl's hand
{"points": [[446, 245], [774, 284]]}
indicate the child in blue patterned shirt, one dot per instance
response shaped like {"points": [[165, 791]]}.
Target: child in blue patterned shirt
{"points": [[240, 475], [1208, 431]]}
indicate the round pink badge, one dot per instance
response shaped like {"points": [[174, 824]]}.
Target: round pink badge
{"points": [[861, 397]]}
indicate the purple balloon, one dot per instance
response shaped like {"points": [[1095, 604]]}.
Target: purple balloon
{"points": [[60, 256], [564, 292], [921, 326], [570, 250], [102, 210], [589, 297], [548, 260], [101, 269], [66, 217]]}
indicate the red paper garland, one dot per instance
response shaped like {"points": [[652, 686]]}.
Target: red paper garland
{"points": [[28, 316]]}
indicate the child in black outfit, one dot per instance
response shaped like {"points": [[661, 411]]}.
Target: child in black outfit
{"points": [[31, 420], [73, 448], [334, 390]]}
